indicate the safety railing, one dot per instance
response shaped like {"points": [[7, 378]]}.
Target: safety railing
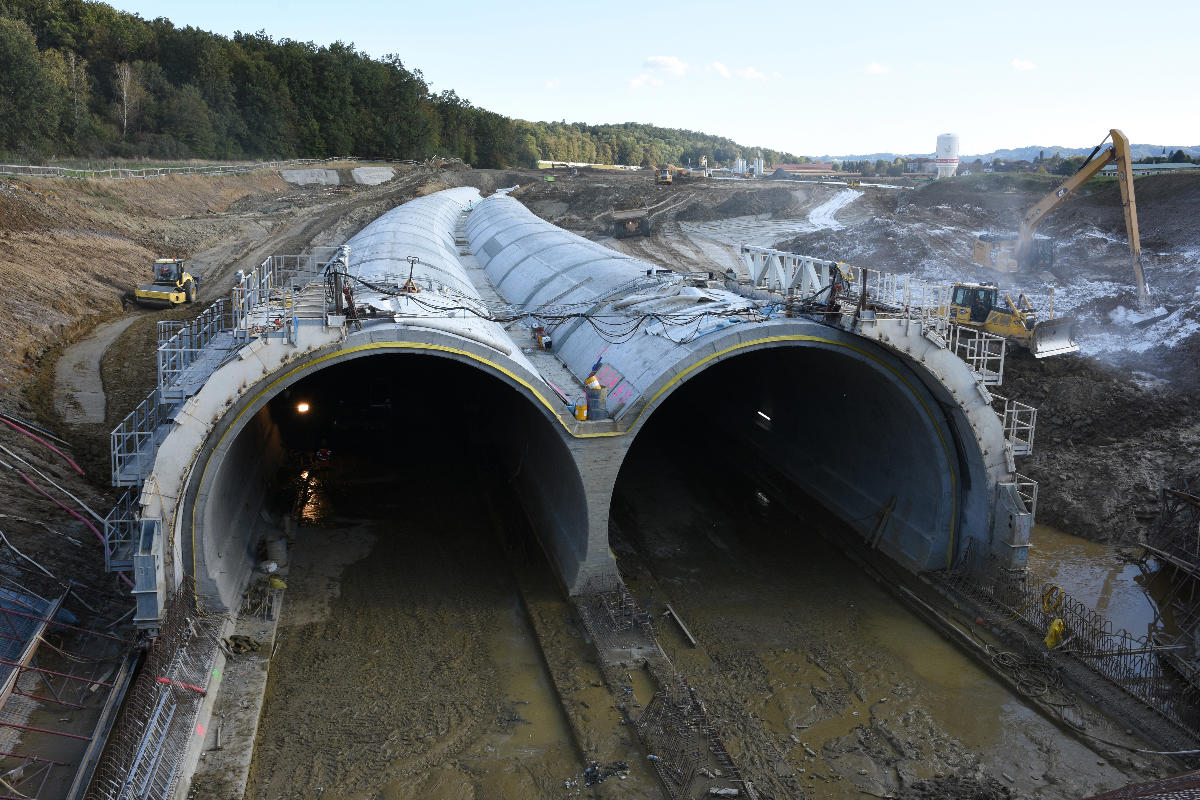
{"points": [[120, 532], [1133, 663], [1027, 490], [187, 343], [133, 437], [269, 284], [984, 352], [1020, 423], [168, 328], [904, 295]]}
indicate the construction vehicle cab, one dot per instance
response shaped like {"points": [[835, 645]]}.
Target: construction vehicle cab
{"points": [[980, 305], [663, 176], [172, 285]]}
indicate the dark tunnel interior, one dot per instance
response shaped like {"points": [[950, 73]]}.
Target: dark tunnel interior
{"points": [[827, 432], [404, 437]]}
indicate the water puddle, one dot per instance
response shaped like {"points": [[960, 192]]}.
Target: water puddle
{"points": [[1095, 574]]}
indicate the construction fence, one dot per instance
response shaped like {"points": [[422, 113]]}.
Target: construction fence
{"points": [[1133, 663]]}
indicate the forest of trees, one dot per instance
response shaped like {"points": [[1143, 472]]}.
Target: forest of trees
{"points": [[80, 79]]}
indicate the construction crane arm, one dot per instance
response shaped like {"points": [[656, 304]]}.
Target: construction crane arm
{"points": [[1119, 152]]}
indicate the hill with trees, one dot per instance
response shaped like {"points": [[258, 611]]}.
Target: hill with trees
{"points": [[81, 79]]}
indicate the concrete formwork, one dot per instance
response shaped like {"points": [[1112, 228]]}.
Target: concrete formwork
{"points": [[862, 420]]}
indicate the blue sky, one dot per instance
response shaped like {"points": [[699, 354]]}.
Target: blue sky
{"points": [[835, 79]]}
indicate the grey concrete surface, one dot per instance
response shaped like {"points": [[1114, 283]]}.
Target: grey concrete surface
{"points": [[310, 177], [885, 427], [372, 176], [79, 392]]}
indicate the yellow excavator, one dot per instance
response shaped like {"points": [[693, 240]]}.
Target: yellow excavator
{"points": [[173, 285], [1026, 252], [980, 305]]}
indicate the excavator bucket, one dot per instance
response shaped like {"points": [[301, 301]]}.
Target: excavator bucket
{"points": [[1054, 337]]}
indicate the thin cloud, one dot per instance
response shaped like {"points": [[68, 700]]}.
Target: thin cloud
{"points": [[553, 83], [720, 69], [645, 79], [670, 64], [1021, 65], [751, 74], [875, 68]]}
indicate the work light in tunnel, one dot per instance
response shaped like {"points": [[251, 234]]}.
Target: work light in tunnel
{"points": [[302, 407]]}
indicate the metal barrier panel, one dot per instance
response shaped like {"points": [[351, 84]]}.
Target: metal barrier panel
{"points": [[134, 435], [120, 528], [183, 348]]}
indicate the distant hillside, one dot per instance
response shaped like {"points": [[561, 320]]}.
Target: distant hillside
{"points": [[1032, 152], [1025, 153], [83, 79]]}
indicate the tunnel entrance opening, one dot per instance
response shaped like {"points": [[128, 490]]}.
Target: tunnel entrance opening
{"points": [[377, 437], [833, 429]]}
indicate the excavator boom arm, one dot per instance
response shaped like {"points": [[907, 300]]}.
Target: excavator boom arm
{"points": [[1119, 152]]}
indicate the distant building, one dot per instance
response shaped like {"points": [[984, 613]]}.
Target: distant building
{"points": [[1150, 169], [815, 168]]}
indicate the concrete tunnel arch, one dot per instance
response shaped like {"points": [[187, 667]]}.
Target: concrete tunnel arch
{"points": [[234, 465], [928, 405], [889, 437]]}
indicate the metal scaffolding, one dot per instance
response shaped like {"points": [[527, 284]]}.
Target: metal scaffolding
{"points": [[53, 698]]}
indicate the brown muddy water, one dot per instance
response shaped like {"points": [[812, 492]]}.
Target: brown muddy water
{"points": [[408, 667], [816, 676]]}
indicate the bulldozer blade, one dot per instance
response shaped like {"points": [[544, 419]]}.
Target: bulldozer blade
{"points": [[1054, 337]]}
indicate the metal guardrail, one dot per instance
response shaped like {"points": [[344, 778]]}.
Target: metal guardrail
{"points": [[984, 352], [1027, 490], [1132, 663], [184, 346], [120, 532], [134, 435], [1020, 423]]}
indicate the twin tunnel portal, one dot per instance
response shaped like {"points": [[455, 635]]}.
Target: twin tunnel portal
{"points": [[448, 344]]}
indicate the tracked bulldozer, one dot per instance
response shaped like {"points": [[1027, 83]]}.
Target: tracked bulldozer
{"points": [[980, 305], [172, 286]]}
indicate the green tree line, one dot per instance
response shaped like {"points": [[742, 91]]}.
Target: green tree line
{"points": [[83, 79]]}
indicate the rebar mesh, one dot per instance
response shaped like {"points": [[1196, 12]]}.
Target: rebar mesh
{"points": [[145, 751]]}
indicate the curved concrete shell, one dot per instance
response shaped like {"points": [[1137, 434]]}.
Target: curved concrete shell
{"points": [[887, 429]]}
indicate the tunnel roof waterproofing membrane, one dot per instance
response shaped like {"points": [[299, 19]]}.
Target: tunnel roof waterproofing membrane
{"points": [[544, 269], [447, 300]]}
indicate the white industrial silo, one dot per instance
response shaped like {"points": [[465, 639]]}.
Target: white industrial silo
{"points": [[946, 157]]}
